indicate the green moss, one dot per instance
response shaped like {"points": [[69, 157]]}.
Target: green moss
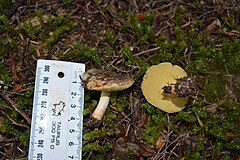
{"points": [[142, 29], [3, 5], [109, 37], [55, 27], [129, 154], [143, 68], [200, 144], [225, 157], [100, 150], [217, 150], [25, 100], [96, 147], [215, 87], [33, 32], [97, 134], [156, 124], [183, 116], [119, 100], [193, 156], [83, 52], [18, 133]]}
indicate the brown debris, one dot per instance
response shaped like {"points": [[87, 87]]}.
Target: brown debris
{"points": [[139, 150], [213, 27]]}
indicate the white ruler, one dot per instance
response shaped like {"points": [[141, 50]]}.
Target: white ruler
{"points": [[56, 131]]}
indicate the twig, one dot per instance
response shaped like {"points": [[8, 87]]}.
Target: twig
{"points": [[147, 51], [100, 10], [9, 141], [4, 155], [172, 151], [14, 122], [128, 128], [9, 100], [5, 107]]}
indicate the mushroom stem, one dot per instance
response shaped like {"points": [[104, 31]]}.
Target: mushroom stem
{"points": [[102, 105]]}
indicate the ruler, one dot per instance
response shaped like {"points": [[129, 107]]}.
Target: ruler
{"points": [[57, 119]]}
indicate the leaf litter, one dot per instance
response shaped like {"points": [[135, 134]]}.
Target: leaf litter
{"points": [[106, 26]]}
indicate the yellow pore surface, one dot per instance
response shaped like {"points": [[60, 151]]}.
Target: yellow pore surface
{"points": [[155, 78]]}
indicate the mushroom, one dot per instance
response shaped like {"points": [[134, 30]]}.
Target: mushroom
{"points": [[106, 82], [155, 81]]}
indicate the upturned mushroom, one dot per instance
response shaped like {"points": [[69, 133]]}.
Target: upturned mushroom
{"points": [[156, 90], [106, 82]]}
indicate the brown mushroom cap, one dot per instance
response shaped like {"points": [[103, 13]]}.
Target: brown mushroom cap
{"points": [[155, 79], [106, 81]]}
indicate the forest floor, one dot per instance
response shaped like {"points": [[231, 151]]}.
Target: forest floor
{"points": [[201, 36]]}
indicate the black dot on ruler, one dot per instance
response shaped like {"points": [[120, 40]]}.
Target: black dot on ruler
{"points": [[60, 74]]}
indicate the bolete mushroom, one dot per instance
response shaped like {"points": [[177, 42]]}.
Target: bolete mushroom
{"points": [[154, 81], [106, 82]]}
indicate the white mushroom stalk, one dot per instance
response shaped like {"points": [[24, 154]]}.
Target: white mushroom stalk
{"points": [[106, 82], [102, 105]]}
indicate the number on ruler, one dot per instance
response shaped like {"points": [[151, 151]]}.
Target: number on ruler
{"points": [[39, 156], [73, 106], [43, 104], [73, 93], [40, 143], [71, 130], [71, 143]]}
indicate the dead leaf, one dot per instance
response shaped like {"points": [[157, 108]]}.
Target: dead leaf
{"points": [[138, 149], [36, 21], [161, 25], [142, 121], [140, 16], [54, 57], [146, 150], [10, 150], [1, 138], [213, 27], [233, 33], [17, 87], [160, 142]]}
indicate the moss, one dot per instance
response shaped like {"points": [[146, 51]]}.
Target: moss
{"points": [[100, 150], [119, 100], [193, 156], [142, 29], [4, 75], [55, 27], [25, 100], [3, 5], [130, 60], [156, 124], [225, 157], [33, 32], [183, 116], [18, 133], [200, 146], [217, 149], [109, 37], [97, 134], [215, 87], [143, 68], [129, 154], [83, 52]]}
